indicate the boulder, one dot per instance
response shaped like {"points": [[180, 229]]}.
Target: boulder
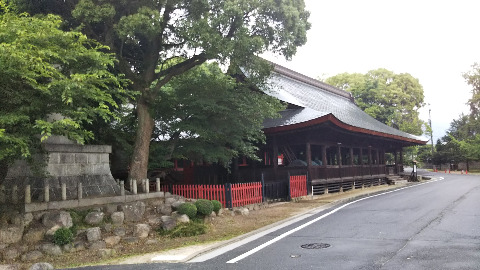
{"points": [[183, 219], [75, 246], [110, 208], [94, 218], [32, 256], [11, 234], [57, 218], [119, 231], [134, 211], [131, 240], [106, 252], [170, 200], [112, 241], [10, 254], [168, 223], [241, 211], [52, 230], [165, 209], [42, 266], [176, 204], [141, 230], [34, 235], [107, 227], [117, 218], [154, 220], [27, 219], [94, 234], [98, 245], [51, 249]]}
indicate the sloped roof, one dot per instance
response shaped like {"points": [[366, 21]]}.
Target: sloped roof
{"points": [[319, 102]]}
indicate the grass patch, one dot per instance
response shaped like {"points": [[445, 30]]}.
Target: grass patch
{"points": [[193, 228]]}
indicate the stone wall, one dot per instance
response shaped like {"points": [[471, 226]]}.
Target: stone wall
{"points": [[70, 164]]}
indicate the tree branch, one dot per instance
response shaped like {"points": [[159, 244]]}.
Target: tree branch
{"points": [[180, 68]]}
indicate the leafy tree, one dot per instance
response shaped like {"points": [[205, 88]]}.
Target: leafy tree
{"points": [[206, 115], [463, 137], [472, 78], [393, 99], [147, 35], [48, 71]]}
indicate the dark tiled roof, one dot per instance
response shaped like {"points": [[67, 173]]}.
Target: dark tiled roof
{"points": [[318, 99]]}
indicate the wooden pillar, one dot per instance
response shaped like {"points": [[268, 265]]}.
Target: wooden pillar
{"points": [[401, 160], [378, 156], [351, 156], [369, 155], [275, 156], [324, 155], [308, 152], [395, 155], [339, 154], [360, 158]]}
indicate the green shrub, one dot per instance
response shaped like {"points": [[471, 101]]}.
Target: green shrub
{"points": [[63, 236], [188, 229], [204, 207], [216, 206], [188, 209]]}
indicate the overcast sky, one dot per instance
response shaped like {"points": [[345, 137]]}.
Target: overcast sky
{"points": [[434, 41]]}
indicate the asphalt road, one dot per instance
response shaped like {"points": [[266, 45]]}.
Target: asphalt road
{"points": [[435, 225]]}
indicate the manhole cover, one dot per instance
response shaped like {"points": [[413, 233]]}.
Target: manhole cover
{"points": [[315, 246]]}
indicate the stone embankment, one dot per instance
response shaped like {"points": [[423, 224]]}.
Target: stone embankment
{"points": [[27, 238]]}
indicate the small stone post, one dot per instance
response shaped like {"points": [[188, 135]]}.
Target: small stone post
{"points": [[28, 195], [15, 194], [147, 186], [134, 186], [2, 194], [80, 191], [64, 192], [47, 192], [326, 189], [158, 184], [122, 188]]}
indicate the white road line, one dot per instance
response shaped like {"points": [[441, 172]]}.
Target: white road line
{"points": [[266, 244]]}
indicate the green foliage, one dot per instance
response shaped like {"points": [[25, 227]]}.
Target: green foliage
{"points": [[46, 71], [185, 230], [216, 206], [148, 35], [393, 99], [205, 115], [63, 236], [188, 209], [204, 207], [462, 142]]}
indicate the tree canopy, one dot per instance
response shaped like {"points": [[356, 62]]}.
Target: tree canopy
{"points": [[47, 71], [147, 35], [393, 99], [462, 141], [206, 115]]}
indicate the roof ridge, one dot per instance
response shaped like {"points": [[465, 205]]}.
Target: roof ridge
{"points": [[311, 81]]}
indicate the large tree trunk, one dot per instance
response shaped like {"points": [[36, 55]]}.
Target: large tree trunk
{"points": [[139, 162]]}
